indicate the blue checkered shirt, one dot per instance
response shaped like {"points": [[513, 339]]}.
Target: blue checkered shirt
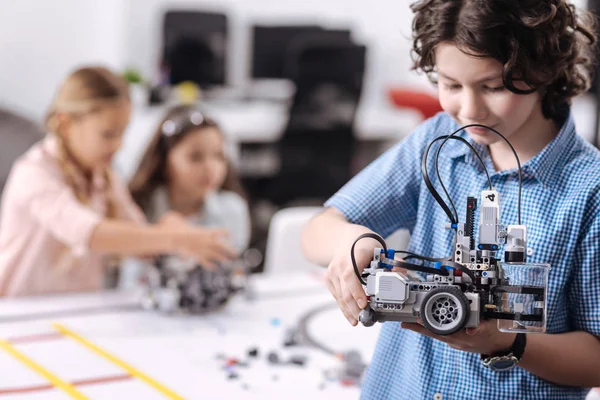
{"points": [[561, 209]]}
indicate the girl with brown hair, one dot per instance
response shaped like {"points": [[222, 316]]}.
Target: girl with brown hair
{"points": [[187, 172]]}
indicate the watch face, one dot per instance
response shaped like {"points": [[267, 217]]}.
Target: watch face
{"points": [[503, 364]]}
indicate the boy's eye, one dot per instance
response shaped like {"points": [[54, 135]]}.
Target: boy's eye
{"points": [[495, 89], [453, 86]]}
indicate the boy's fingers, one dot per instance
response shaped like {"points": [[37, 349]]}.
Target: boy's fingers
{"points": [[357, 292], [337, 287], [331, 288]]}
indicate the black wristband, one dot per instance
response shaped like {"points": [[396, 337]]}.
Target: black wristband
{"points": [[517, 349]]}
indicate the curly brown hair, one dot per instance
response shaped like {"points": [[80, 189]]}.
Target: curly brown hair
{"points": [[546, 44]]}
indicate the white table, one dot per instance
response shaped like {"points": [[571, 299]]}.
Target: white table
{"points": [[180, 352]]}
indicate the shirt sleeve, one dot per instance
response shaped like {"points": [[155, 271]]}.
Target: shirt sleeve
{"points": [[51, 202], [384, 197], [130, 210], [584, 296]]}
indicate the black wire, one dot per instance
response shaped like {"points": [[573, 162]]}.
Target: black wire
{"points": [[434, 192], [446, 262], [402, 264], [363, 236], [306, 337], [507, 142], [437, 170], [432, 189], [415, 267]]}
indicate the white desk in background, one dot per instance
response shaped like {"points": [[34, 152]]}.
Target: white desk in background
{"points": [[258, 122], [178, 352]]}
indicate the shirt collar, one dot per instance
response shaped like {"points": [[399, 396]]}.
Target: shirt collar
{"points": [[545, 166]]}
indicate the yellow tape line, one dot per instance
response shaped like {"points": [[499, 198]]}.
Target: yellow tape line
{"points": [[132, 371], [53, 379]]}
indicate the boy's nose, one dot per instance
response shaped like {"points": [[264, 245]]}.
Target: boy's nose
{"points": [[472, 108]]}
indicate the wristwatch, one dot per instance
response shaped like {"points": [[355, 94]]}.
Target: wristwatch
{"points": [[508, 359]]}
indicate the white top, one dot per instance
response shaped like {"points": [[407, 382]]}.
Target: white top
{"points": [[223, 209]]}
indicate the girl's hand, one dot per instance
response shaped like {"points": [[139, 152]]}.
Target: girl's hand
{"points": [[207, 246], [172, 218], [485, 339]]}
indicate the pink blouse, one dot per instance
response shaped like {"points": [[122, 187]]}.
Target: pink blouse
{"points": [[45, 230]]}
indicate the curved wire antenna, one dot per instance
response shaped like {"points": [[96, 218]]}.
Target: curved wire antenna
{"points": [[507, 142], [452, 215]]}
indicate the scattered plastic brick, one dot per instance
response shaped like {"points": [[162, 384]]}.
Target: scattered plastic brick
{"points": [[253, 352], [347, 382], [275, 321], [298, 360], [232, 375], [273, 358], [232, 361]]}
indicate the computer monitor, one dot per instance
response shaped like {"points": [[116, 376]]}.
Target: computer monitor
{"points": [[270, 45], [195, 47]]}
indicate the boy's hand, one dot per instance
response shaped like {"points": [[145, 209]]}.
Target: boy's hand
{"points": [[341, 278], [485, 339]]}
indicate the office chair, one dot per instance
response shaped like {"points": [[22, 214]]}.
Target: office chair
{"points": [[283, 252], [17, 134], [317, 147]]}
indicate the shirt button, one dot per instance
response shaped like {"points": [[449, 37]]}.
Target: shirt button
{"points": [[438, 396]]}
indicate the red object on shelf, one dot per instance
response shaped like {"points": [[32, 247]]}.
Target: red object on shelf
{"points": [[425, 103]]}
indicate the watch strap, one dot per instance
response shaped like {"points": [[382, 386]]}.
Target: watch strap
{"points": [[517, 349]]}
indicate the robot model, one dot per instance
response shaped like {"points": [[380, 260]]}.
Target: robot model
{"points": [[174, 285], [458, 291]]}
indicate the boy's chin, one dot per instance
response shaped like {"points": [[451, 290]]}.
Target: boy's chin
{"points": [[484, 140]]}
